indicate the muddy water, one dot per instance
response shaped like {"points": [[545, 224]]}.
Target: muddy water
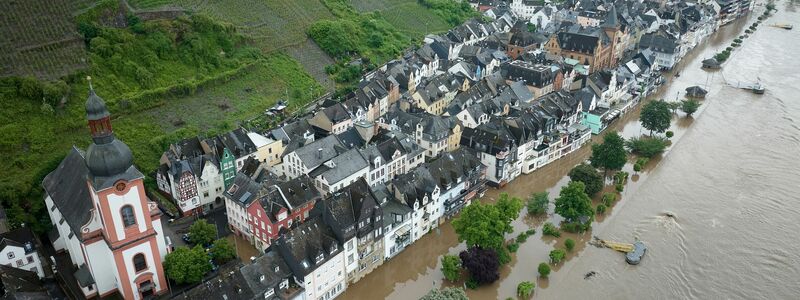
{"points": [[730, 179]]}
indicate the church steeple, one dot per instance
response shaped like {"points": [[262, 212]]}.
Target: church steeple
{"points": [[98, 116], [611, 21], [106, 156]]}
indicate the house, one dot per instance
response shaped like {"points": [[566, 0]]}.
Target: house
{"points": [[268, 150], [354, 209], [390, 156], [190, 174], [665, 49], [238, 144], [418, 191], [21, 284], [433, 133], [184, 187], [594, 116], [103, 218], [524, 9], [537, 77], [460, 176], [497, 150], [20, 249], [269, 277], [594, 46], [333, 119], [435, 94], [340, 171], [308, 157], [397, 222], [315, 257], [259, 210]]}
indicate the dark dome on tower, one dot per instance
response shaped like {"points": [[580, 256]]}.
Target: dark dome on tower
{"points": [[106, 156], [95, 107]]}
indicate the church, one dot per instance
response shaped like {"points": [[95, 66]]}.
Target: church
{"points": [[102, 217]]}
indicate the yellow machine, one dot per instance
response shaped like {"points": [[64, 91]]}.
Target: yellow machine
{"points": [[633, 252], [621, 247]]}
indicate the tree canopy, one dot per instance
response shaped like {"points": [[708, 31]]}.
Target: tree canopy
{"points": [[537, 203], [483, 264], [451, 267], [689, 106], [222, 251], [485, 225], [544, 270], [656, 116], [449, 293], [587, 174], [610, 155], [202, 233], [185, 265], [573, 203], [525, 289], [557, 255], [646, 146]]}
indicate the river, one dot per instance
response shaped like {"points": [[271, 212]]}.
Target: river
{"points": [[730, 180]]}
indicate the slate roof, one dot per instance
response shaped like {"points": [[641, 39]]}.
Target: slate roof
{"points": [[229, 284], [658, 43], [491, 138], [301, 246], [537, 75], [312, 157], [272, 267], [414, 186], [577, 42], [341, 166], [22, 237], [21, 284], [243, 190], [66, 185], [454, 167], [299, 191], [237, 142]]}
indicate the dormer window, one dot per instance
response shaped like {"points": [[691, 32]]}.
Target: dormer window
{"points": [[319, 258]]}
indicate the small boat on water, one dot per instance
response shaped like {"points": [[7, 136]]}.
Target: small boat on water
{"points": [[758, 89], [784, 26], [696, 92]]}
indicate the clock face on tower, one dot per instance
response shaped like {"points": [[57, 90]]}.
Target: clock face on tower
{"points": [[120, 186]]}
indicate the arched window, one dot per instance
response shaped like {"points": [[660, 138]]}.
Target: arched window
{"points": [[128, 219], [139, 263]]}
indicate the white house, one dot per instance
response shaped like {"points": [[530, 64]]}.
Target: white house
{"points": [[19, 249]]}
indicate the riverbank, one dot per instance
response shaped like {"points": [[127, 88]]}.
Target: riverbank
{"points": [[416, 270]]}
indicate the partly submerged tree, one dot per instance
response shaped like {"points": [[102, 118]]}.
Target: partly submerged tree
{"points": [[592, 180], [610, 155], [573, 203], [483, 264], [451, 267], [656, 116]]}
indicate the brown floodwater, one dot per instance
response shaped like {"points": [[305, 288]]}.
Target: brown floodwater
{"points": [[730, 180]]}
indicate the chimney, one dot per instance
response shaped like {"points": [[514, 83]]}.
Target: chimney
{"points": [[261, 278], [319, 153]]}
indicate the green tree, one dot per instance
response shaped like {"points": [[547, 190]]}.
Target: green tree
{"points": [[451, 267], [185, 265], [610, 155], [449, 293], [573, 203], [690, 106], [646, 146], [544, 270], [202, 233], [656, 116], [537, 203], [587, 174], [525, 289], [557, 255], [569, 244], [222, 251], [485, 225]]}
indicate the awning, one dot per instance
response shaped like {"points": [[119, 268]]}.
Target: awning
{"points": [[403, 230]]}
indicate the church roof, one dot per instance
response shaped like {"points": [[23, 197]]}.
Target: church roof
{"points": [[66, 185]]}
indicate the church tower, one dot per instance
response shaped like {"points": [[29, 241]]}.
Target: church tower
{"points": [[611, 28], [130, 223]]}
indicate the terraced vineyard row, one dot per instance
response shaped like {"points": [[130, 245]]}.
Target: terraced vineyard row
{"points": [[40, 38], [407, 15]]}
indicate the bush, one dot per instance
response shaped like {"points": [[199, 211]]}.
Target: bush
{"points": [[601, 209], [482, 264], [525, 289], [544, 270], [557, 255], [451, 267], [522, 237], [637, 167], [576, 227], [690, 106], [609, 198], [537, 203], [640, 164], [670, 134], [551, 230], [569, 244], [619, 187], [222, 251], [531, 232], [646, 146], [471, 283], [513, 247]]}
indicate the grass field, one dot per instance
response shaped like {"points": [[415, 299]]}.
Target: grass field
{"points": [[407, 15]]}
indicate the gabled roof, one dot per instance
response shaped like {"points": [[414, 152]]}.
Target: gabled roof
{"points": [[320, 151], [302, 246], [341, 166], [22, 237], [66, 185], [265, 273]]}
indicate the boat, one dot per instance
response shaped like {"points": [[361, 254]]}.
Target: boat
{"points": [[633, 252], [784, 26], [696, 92], [758, 88]]}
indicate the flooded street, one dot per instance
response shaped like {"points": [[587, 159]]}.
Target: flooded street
{"points": [[729, 179]]}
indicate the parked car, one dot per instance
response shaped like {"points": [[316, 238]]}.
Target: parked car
{"points": [[185, 237]]}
